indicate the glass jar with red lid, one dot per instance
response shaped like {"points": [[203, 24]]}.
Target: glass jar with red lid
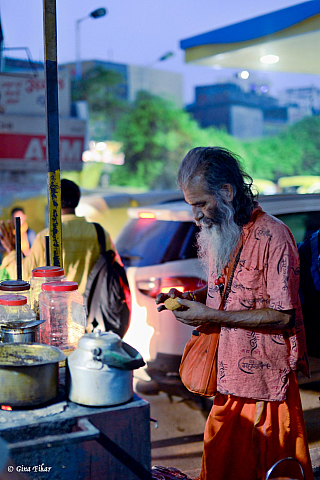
{"points": [[15, 287], [42, 275], [63, 312], [14, 309]]}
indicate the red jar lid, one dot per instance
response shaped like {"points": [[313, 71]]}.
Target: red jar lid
{"points": [[13, 300], [14, 286], [47, 272], [59, 286]]}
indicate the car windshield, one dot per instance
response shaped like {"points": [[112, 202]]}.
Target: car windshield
{"points": [[302, 225], [145, 242]]}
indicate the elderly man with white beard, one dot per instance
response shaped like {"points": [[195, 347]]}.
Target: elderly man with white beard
{"points": [[256, 418]]}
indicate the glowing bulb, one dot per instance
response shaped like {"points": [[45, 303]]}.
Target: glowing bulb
{"points": [[269, 59], [244, 74], [101, 146]]}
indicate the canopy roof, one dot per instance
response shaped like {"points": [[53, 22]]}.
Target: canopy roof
{"points": [[292, 34]]}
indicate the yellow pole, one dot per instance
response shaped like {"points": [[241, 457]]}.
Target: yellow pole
{"points": [[52, 118]]}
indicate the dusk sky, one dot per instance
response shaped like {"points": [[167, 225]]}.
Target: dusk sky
{"points": [[138, 32]]}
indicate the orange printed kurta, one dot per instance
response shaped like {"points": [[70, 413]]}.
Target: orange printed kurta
{"points": [[257, 417]]}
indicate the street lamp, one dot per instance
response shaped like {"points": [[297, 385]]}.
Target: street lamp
{"points": [[163, 58], [99, 12], [166, 56]]}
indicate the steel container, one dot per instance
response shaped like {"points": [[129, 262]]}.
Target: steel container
{"points": [[20, 332], [29, 373]]}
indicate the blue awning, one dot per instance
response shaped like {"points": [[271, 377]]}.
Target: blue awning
{"points": [[292, 32]]}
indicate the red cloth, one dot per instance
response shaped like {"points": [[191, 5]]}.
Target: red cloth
{"points": [[244, 438]]}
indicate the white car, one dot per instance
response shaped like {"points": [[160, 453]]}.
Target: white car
{"points": [[157, 246]]}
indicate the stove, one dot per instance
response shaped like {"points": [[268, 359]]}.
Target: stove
{"points": [[65, 441]]}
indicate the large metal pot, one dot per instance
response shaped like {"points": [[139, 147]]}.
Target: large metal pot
{"points": [[29, 373]]}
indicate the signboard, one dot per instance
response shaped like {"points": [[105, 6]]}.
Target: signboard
{"points": [[23, 143], [25, 94]]}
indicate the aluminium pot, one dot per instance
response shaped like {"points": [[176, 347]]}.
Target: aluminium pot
{"points": [[22, 332], [29, 373]]}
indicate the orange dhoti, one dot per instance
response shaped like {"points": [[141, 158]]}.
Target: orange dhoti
{"points": [[243, 438]]}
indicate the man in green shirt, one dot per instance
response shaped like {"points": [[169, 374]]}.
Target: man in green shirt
{"points": [[80, 247]]}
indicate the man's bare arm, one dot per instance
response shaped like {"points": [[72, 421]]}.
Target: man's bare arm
{"points": [[197, 314], [199, 295]]}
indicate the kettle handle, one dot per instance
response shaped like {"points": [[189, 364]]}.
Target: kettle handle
{"points": [[114, 359]]}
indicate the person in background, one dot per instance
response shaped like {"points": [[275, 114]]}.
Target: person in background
{"points": [[80, 247], [28, 235], [256, 418]]}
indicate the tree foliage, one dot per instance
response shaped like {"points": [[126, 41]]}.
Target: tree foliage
{"points": [[156, 135], [295, 151], [102, 90]]}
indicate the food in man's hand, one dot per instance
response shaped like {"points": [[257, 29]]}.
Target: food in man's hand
{"points": [[172, 304]]}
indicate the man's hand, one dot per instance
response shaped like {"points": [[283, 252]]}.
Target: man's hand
{"points": [[195, 313], [173, 293], [7, 236]]}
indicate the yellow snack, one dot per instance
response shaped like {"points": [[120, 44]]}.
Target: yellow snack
{"points": [[172, 304]]}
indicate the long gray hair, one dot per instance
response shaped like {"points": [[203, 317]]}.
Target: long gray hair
{"points": [[218, 166]]}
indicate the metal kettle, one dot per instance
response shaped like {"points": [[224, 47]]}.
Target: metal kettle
{"points": [[100, 371]]}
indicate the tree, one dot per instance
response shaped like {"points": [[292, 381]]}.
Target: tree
{"points": [[156, 135], [102, 90], [153, 139], [295, 151]]}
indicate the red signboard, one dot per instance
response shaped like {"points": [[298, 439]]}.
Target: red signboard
{"points": [[33, 148], [23, 142]]}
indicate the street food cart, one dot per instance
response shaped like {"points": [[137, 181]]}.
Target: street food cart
{"points": [[50, 436]]}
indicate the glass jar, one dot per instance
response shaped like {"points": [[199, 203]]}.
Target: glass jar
{"points": [[15, 287], [64, 314], [14, 309], [42, 275]]}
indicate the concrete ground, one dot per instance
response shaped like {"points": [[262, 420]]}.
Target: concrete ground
{"points": [[177, 440]]}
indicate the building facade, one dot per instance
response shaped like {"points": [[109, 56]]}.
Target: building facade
{"points": [[167, 85], [227, 106], [250, 113]]}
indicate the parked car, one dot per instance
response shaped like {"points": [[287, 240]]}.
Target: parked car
{"points": [[110, 208], [157, 246]]}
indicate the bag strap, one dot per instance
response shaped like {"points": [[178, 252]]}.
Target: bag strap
{"points": [[230, 276], [101, 237], [96, 294]]}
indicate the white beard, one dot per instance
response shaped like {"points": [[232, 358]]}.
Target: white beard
{"points": [[217, 242]]}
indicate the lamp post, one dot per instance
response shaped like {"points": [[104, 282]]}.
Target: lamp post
{"points": [[99, 12], [163, 58], [166, 56]]}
